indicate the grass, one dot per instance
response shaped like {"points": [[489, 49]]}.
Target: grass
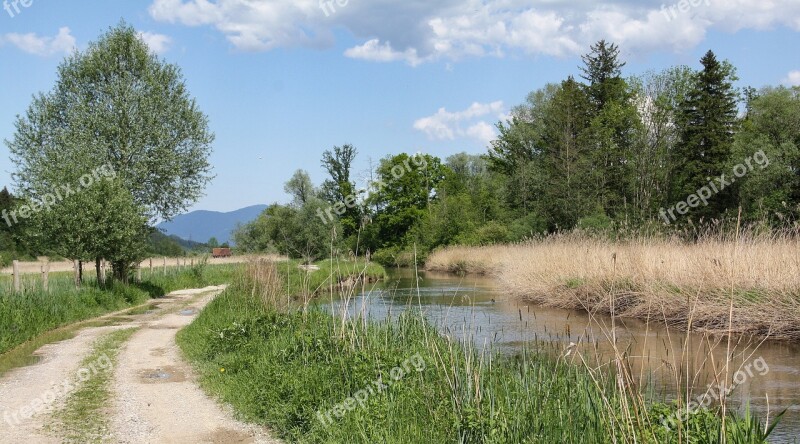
{"points": [[304, 372], [25, 316], [666, 280], [82, 418]]}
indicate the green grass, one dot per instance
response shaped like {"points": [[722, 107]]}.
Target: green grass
{"points": [[83, 419], [26, 315], [281, 367]]}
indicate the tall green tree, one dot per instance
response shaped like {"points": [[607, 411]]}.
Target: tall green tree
{"points": [[340, 187], [300, 188], [770, 135], [707, 123], [406, 186], [116, 104], [658, 97], [614, 124]]}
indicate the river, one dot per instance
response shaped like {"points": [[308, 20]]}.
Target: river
{"points": [[472, 308]]}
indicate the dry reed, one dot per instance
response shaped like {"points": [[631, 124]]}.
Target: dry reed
{"points": [[667, 280]]}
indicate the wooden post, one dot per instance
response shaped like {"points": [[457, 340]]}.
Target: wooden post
{"points": [[178, 263], [138, 274], [192, 263], [165, 265], [151, 266], [16, 277], [45, 271], [102, 276]]}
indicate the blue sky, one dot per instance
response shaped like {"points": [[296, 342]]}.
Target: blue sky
{"points": [[282, 81]]}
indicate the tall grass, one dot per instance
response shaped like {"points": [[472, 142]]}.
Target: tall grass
{"points": [[33, 311], [668, 280], [284, 364]]}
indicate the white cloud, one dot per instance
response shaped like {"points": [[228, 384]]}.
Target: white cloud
{"points": [[43, 46], [792, 79], [446, 125], [374, 51], [419, 31], [158, 43]]}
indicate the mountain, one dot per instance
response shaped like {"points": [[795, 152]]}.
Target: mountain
{"points": [[200, 226]]}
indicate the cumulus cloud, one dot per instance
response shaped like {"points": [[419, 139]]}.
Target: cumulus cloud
{"points": [[43, 46], [419, 31], [158, 43], [792, 79], [446, 125]]}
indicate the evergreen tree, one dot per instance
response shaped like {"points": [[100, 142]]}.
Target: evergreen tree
{"points": [[614, 125], [706, 122]]}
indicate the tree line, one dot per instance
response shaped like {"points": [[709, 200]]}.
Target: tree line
{"points": [[602, 152]]}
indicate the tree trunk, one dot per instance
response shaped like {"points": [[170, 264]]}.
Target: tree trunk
{"points": [[80, 272], [97, 268], [120, 271]]}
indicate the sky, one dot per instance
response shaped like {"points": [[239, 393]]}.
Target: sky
{"points": [[284, 80]]}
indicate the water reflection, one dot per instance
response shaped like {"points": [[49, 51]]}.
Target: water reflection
{"points": [[471, 308]]}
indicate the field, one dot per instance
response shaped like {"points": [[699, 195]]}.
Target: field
{"points": [[754, 280]]}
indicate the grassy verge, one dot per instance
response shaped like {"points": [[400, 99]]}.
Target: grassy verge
{"points": [[83, 419], [689, 285], [25, 316], [313, 377]]}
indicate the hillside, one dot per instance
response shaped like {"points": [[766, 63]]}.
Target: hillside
{"points": [[200, 226]]}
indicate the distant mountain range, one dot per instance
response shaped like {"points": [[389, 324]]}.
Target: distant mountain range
{"points": [[200, 226]]}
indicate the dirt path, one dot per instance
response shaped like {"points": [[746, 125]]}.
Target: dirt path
{"points": [[155, 396]]}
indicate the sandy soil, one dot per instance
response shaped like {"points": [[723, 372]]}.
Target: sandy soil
{"points": [[155, 396], [158, 263]]}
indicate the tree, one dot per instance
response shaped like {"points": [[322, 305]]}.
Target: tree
{"points": [[116, 104], [614, 124], [770, 135], [340, 187], [565, 193], [300, 188], [297, 232], [213, 243], [407, 185], [603, 70], [707, 122]]}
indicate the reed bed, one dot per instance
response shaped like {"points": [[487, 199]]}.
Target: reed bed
{"points": [[655, 279]]}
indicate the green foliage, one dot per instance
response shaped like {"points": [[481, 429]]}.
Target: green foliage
{"points": [[298, 232], [339, 189], [707, 124], [117, 108]]}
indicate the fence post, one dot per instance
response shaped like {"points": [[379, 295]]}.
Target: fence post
{"points": [[178, 263], [192, 263], [45, 273], [16, 276], [165, 265], [138, 274], [151, 266]]}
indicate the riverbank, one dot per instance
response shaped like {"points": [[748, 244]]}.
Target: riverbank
{"points": [[315, 376], [755, 281]]}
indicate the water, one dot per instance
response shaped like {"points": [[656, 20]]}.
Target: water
{"points": [[471, 308]]}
